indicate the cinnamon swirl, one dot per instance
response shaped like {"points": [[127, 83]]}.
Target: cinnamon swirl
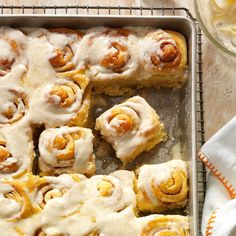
{"points": [[131, 128], [62, 45], [63, 101], [16, 152], [66, 150], [162, 187], [162, 225], [14, 201], [110, 56], [13, 44], [163, 55]]}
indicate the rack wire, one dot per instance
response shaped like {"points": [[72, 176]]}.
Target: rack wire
{"points": [[122, 10]]}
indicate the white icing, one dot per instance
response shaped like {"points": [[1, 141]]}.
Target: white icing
{"points": [[174, 222], [5, 50], [54, 184], [11, 207], [143, 122], [20, 146], [151, 47], [93, 210], [95, 46], [157, 174], [114, 224], [60, 40], [82, 155]]}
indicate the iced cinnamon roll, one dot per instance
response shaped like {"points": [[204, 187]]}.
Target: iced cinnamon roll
{"points": [[131, 128], [62, 101], [163, 54], [161, 187], [47, 188], [63, 45], [163, 225], [12, 46], [16, 152], [110, 55], [105, 194], [13, 104], [111, 193], [66, 150], [14, 201]]}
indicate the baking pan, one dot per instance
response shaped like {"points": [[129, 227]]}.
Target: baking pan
{"points": [[176, 108]]}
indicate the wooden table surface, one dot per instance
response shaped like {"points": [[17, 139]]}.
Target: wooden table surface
{"points": [[218, 71]]}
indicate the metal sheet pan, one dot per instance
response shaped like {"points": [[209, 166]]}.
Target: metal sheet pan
{"points": [[175, 107]]}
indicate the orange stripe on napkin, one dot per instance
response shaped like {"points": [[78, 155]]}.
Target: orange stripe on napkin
{"points": [[210, 223], [218, 174]]}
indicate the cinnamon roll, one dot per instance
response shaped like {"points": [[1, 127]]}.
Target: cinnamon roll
{"points": [[16, 152], [14, 201], [66, 150], [131, 128], [12, 45], [63, 42], [163, 225], [63, 101], [105, 194], [163, 54], [13, 104], [88, 202], [161, 187], [63, 215], [110, 55], [47, 188]]}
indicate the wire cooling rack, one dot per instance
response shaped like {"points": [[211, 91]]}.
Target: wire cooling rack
{"points": [[121, 10]]}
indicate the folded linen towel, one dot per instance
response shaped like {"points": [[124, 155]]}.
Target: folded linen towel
{"points": [[219, 156]]}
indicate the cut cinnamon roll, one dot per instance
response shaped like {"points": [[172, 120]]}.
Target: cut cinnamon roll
{"points": [[13, 104], [110, 55], [131, 128], [162, 187], [63, 43], [14, 201], [64, 101], [66, 150], [164, 58], [162, 225], [12, 44]]}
